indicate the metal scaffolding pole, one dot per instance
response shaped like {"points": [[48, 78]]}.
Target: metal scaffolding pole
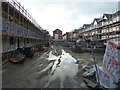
{"points": [[8, 46]]}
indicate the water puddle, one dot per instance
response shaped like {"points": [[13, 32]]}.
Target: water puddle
{"points": [[52, 57], [63, 67]]}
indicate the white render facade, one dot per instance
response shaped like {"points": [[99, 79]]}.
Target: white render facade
{"points": [[102, 29]]}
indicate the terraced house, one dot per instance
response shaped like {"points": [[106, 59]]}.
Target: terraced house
{"points": [[101, 29], [19, 29]]}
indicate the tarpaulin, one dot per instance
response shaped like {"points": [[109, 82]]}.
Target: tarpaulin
{"points": [[105, 79], [111, 60]]}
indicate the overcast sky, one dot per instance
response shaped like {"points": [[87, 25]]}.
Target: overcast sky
{"points": [[67, 15]]}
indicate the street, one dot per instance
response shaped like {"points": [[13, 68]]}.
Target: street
{"points": [[58, 67]]}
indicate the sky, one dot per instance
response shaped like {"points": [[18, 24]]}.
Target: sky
{"points": [[67, 15]]}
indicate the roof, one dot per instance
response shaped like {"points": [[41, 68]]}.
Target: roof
{"points": [[97, 19], [116, 13], [45, 31], [57, 30], [108, 16], [64, 34], [76, 30], [86, 25]]}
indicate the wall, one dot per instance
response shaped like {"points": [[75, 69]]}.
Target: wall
{"points": [[57, 35]]}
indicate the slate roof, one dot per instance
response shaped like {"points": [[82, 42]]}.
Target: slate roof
{"points": [[116, 13], [109, 16], [57, 30], [97, 19], [86, 25]]}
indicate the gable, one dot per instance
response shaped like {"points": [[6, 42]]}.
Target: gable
{"points": [[57, 30], [105, 17], [95, 22]]}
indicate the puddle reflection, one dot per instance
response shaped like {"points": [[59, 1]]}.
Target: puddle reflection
{"points": [[64, 66]]}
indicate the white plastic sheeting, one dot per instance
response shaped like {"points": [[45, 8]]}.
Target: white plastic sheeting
{"points": [[109, 73], [111, 60], [105, 79]]}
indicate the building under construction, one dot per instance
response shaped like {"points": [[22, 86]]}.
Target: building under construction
{"points": [[19, 29]]}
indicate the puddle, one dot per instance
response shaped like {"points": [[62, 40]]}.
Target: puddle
{"points": [[64, 66], [52, 57]]}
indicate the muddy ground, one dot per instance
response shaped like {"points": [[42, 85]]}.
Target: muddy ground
{"points": [[57, 67]]}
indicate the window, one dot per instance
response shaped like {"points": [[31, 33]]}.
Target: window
{"points": [[11, 41], [27, 40], [24, 40]]}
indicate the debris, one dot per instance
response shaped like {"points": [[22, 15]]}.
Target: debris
{"points": [[90, 71], [17, 58], [37, 49], [90, 83]]}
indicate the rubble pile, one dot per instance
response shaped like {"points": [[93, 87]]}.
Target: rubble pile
{"points": [[17, 58]]}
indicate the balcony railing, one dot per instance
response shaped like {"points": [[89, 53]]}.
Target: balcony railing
{"points": [[12, 30], [101, 25]]}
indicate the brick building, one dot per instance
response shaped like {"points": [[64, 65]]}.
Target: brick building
{"points": [[57, 34]]}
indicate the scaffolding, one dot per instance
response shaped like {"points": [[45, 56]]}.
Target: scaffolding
{"points": [[19, 29], [16, 15], [23, 11]]}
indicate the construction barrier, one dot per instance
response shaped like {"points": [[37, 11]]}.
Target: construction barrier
{"points": [[105, 79], [111, 59], [109, 73]]}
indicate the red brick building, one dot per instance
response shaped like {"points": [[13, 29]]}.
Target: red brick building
{"points": [[57, 34]]}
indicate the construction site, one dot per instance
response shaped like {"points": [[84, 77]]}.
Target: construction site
{"points": [[20, 30], [86, 58]]}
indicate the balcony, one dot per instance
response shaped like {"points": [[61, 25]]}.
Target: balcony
{"points": [[13, 30]]}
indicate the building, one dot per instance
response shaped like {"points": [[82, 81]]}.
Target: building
{"points": [[46, 37], [73, 35], [66, 36], [101, 29], [19, 29], [57, 34]]}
